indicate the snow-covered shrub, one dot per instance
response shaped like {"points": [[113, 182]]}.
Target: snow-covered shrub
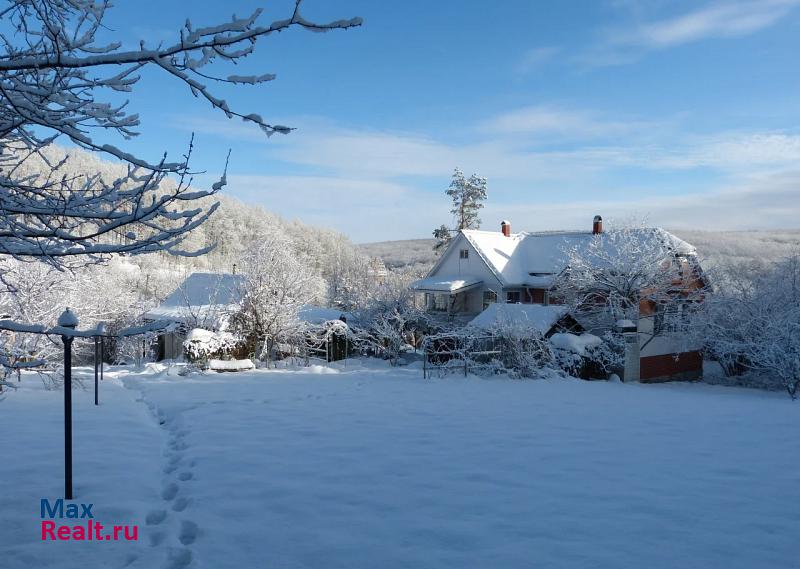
{"points": [[586, 355], [526, 356], [202, 345], [389, 321], [752, 322], [513, 351]]}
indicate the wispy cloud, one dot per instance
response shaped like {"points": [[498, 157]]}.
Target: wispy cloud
{"points": [[553, 157], [558, 121], [728, 19], [770, 201], [536, 58]]}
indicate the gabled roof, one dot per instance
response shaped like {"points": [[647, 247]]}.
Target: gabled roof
{"points": [[535, 316], [535, 259], [201, 295]]}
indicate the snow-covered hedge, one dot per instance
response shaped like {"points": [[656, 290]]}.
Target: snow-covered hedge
{"points": [[201, 345]]}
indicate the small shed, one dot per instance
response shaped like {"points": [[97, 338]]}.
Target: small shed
{"points": [[203, 300]]}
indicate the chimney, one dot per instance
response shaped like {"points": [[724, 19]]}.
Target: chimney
{"points": [[597, 225], [505, 227]]}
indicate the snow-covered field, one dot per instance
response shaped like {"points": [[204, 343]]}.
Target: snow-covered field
{"points": [[370, 467]]}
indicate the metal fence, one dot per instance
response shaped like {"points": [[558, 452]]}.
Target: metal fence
{"points": [[452, 353]]}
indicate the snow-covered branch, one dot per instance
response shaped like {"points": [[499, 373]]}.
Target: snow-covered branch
{"points": [[58, 81]]}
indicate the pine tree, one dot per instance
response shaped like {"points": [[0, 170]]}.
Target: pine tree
{"points": [[443, 236], [468, 195]]}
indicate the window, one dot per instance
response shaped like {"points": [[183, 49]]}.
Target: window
{"points": [[513, 297], [463, 254], [440, 302], [489, 297]]}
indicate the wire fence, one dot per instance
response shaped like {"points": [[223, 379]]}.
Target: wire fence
{"points": [[454, 353]]}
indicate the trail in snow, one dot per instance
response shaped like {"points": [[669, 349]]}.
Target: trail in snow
{"points": [[365, 467]]}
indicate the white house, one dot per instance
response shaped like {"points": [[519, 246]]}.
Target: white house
{"points": [[480, 268]]}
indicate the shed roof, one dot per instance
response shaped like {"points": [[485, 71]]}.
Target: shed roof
{"points": [[201, 296], [535, 316]]}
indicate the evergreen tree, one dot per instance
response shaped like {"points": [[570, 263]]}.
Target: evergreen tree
{"points": [[468, 195], [443, 237]]}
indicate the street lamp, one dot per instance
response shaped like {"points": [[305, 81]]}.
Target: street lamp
{"points": [[70, 321], [98, 358]]}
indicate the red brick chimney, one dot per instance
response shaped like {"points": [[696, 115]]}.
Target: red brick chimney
{"points": [[597, 225], [505, 227]]}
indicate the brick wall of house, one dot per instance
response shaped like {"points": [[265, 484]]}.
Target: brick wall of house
{"points": [[665, 367]]}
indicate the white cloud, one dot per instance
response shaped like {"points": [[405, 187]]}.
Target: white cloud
{"points": [[720, 20], [762, 202], [728, 19], [561, 122], [729, 152], [377, 185], [363, 208], [536, 58]]}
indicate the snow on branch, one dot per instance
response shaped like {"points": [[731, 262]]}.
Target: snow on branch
{"points": [[57, 81]]}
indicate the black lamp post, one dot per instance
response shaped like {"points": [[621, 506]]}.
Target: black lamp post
{"points": [[98, 360], [68, 320]]}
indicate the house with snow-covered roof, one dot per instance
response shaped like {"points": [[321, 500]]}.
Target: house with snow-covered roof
{"points": [[481, 268], [202, 300], [208, 301]]}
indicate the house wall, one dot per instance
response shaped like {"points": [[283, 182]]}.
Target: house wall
{"points": [[686, 366], [170, 346], [451, 265], [666, 357]]}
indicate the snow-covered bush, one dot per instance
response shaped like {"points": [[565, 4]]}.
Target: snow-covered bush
{"points": [[752, 322], [588, 356], [389, 321], [202, 345], [525, 356]]}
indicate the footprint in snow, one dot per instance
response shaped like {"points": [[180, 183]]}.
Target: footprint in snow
{"points": [[188, 533], [155, 517], [178, 559], [169, 491], [180, 504]]}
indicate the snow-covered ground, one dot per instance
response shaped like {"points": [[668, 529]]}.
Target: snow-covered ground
{"points": [[371, 467]]}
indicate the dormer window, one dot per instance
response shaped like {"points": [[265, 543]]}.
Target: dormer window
{"points": [[463, 254]]}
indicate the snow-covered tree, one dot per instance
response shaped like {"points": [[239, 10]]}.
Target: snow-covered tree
{"points": [[389, 320], [60, 80], [467, 196], [276, 285], [611, 276], [752, 322]]}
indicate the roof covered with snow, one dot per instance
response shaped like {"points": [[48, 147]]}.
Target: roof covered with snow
{"points": [[319, 315], [444, 284], [536, 316], [534, 259], [200, 296]]}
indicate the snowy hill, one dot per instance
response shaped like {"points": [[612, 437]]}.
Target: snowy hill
{"points": [[714, 247]]}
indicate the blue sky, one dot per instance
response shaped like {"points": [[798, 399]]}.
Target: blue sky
{"points": [[686, 113]]}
